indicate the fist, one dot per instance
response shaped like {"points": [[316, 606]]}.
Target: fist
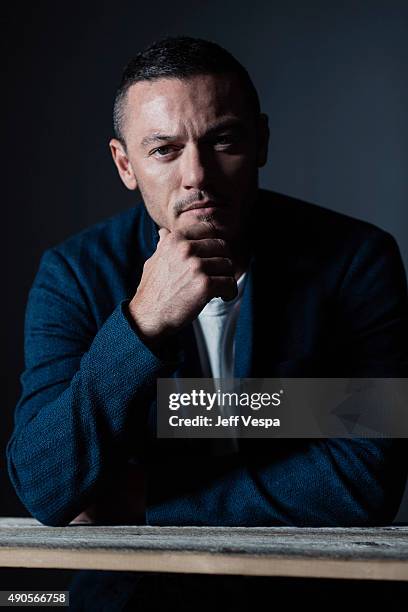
{"points": [[185, 272]]}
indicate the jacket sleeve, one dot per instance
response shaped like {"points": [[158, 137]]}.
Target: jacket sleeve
{"points": [[84, 396], [322, 482]]}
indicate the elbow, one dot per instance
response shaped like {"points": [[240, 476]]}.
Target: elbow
{"points": [[383, 514], [34, 498], [378, 517], [383, 499], [370, 481], [379, 511], [51, 520], [375, 509]]}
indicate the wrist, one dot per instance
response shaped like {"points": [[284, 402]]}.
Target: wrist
{"points": [[164, 346], [148, 332]]}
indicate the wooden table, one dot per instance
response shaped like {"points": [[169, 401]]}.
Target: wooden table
{"points": [[379, 553]]}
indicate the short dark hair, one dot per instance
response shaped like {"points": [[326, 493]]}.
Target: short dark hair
{"points": [[179, 57]]}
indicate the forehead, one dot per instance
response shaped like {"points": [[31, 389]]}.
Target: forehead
{"points": [[174, 104]]}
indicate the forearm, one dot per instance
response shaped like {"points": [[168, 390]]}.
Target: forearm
{"points": [[62, 455], [320, 483]]}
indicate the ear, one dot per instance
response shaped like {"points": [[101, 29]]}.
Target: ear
{"points": [[263, 139], [123, 164]]}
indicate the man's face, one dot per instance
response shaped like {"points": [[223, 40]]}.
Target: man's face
{"points": [[192, 143]]}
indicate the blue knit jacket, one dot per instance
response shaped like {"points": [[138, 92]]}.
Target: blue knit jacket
{"points": [[326, 296]]}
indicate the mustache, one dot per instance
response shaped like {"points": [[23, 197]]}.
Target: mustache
{"points": [[198, 196]]}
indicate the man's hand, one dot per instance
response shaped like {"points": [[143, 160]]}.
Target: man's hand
{"points": [[185, 272]]}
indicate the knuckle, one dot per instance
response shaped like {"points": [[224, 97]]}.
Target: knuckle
{"points": [[204, 283], [185, 249], [177, 235], [196, 265], [171, 240]]}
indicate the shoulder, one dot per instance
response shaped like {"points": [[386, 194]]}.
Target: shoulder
{"points": [[105, 249], [310, 227], [97, 266], [103, 238]]}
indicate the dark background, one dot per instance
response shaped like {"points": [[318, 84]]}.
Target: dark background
{"points": [[331, 76]]}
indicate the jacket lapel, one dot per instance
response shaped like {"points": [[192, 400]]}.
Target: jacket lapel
{"points": [[244, 330]]}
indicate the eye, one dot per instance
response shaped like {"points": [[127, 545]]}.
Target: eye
{"points": [[163, 151], [230, 143], [226, 139]]}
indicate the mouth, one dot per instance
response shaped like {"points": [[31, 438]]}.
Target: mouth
{"points": [[203, 207]]}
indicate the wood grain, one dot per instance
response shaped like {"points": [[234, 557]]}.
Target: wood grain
{"points": [[378, 553]]}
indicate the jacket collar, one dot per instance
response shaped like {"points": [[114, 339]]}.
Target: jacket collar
{"points": [[148, 233]]}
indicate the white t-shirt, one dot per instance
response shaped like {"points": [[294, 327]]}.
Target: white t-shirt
{"points": [[215, 335]]}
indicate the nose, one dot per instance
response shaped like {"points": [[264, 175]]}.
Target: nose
{"points": [[194, 168]]}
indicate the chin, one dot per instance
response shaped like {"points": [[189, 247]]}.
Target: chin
{"points": [[221, 229], [218, 221]]}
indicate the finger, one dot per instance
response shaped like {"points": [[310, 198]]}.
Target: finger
{"points": [[87, 516], [224, 287], [217, 266]]}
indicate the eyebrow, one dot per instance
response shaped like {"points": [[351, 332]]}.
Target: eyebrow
{"points": [[225, 124]]}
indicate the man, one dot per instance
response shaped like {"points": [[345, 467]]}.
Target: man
{"points": [[114, 308]]}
